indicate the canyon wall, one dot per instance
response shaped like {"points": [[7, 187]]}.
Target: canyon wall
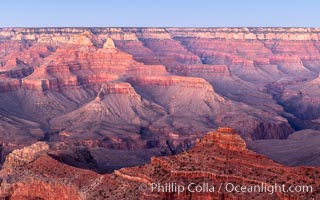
{"points": [[155, 88]]}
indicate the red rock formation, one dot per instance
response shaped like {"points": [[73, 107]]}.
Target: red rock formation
{"points": [[70, 62], [20, 157], [117, 88], [74, 63], [183, 83], [219, 159]]}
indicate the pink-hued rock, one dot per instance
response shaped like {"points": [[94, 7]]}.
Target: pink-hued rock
{"points": [[155, 89]]}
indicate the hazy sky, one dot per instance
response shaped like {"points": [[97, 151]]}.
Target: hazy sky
{"points": [[190, 13]]}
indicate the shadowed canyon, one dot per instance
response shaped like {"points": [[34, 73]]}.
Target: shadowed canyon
{"points": [[102, 102]]}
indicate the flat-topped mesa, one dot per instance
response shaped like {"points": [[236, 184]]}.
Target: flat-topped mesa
{"points": [[40, 84], [189, 82], [40, 80], [118, 88], [226, 138]]}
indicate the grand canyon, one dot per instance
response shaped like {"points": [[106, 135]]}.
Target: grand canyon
{"points": [[102, 113]]}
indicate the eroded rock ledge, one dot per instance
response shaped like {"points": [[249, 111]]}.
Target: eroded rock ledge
{"points": [[219, 157]]}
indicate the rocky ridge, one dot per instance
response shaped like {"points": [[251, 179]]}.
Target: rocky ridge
{"points": [[219, 157]]}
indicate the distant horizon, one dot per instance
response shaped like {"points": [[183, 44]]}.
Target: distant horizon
{"points": [[165, 13]]}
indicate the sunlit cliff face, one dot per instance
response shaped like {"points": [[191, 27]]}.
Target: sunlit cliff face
{"points": [[152, 91]]}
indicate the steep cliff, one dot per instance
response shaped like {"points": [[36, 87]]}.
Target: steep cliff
{"points": [[150, 88]]}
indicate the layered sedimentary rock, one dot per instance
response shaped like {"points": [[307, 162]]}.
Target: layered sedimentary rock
{"points": [[155, 88], [217, 160]]}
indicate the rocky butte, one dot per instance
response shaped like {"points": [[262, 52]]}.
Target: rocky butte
{"points": [[115, 97], [220, 157]]}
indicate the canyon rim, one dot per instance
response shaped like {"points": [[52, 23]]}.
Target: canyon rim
{"points": [[102, 113]]}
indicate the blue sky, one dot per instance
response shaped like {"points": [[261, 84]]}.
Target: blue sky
{"points": [[164, 13]]}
